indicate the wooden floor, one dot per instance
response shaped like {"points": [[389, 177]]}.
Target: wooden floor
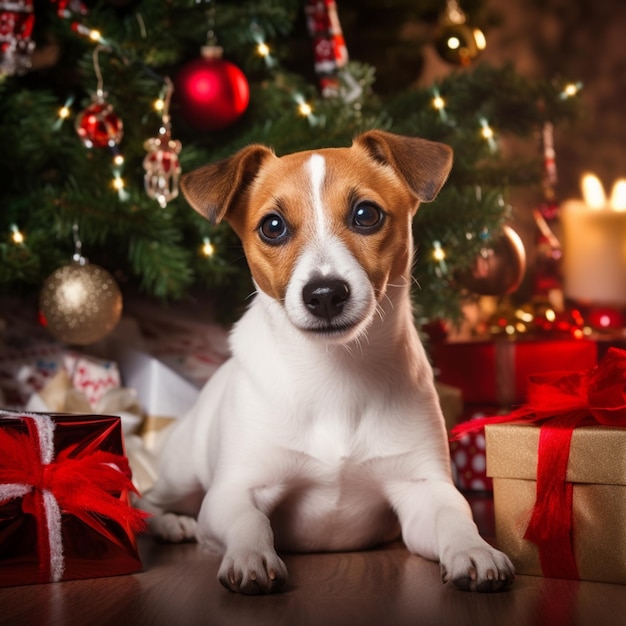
{"points": [[384, 587]]}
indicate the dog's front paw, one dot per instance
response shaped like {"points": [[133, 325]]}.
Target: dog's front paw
{"points": [[478, 569], [172, 527], [252, 572]]}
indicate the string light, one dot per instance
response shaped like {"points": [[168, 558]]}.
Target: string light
{"points": [[159, 105], [488, 134], [120, 186], [90, 33], [570, 90], [263, 49], [439, 104], [208, 249], [439, 254], [305, 109], [17, 237]]}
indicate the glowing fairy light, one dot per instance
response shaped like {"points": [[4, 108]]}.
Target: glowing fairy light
{"points": [[17, 236], [262, 49], [208, 249], [570, 90], [488, 134], [438, 102], [305, 109], [439, 253], [118, 183]]}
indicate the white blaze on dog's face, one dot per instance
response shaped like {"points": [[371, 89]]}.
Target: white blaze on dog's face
{"points": [[325, 231]]}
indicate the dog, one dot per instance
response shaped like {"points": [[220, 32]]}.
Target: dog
{"points": [[323, 430]]}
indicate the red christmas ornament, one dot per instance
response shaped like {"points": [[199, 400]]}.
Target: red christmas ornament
{"points": [[606, 318], [17, 19], [98, 125], [212, 93]]}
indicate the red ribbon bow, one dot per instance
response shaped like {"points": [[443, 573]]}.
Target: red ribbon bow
{"points": [[80, 482], [560, 402]]}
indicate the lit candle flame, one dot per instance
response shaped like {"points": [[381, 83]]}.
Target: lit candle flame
{"points": [[618, 195], [593, 192]]}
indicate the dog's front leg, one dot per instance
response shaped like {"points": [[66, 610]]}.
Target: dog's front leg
{"points": [[437, 523], [250, 564]]}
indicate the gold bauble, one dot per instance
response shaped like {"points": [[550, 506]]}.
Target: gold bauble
{"points": [[499, 269], [81, 303], [459, 44]]}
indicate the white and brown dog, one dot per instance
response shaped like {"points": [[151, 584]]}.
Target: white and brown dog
{"points": [[323, 430]]}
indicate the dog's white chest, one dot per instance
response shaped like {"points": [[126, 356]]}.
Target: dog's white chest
{"points": [[331, 506]]}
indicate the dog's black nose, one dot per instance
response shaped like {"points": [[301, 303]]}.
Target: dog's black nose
{"points": [[326, 297]]}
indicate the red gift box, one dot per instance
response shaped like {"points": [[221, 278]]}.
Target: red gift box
{"points": [[564, 447], [64, 499], [468, 454], [496, 372]]}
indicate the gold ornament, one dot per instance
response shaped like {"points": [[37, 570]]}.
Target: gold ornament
{"points": [[81, 303], [455, 40], [499, 268]]}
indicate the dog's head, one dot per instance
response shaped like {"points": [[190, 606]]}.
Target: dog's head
{"points": [[325, 231]]}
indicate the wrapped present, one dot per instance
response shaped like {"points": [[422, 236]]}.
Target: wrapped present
{"points": [[496, 372], [92, 376], [64, 499], [559, 474], [26, 370], [164, 395], [469, 461]]}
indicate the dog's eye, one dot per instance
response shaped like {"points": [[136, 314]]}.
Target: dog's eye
{"points": [[367, 218], [273, 229]]}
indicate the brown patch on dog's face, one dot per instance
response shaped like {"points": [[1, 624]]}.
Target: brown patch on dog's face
{"points": [[352, 183]]}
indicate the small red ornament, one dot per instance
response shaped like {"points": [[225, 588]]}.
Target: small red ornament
{"points": [[606, 318], [98, 125], [162, 168], [17, 20], [212, 93]]}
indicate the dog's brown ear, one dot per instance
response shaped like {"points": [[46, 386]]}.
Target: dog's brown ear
{"points": [[213, 190], [423, 164]]}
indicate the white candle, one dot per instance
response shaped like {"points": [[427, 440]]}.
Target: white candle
{"points": [[594, 245]]}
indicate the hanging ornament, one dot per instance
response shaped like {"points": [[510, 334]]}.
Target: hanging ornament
{"points": [[547, 276], [161, 163], [98, 125], [80, 303], [329, 46], [212, 93], [499, 268], [67, 8], [17, 19], [455, 40]]}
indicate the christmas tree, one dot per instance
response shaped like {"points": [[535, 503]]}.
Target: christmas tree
{"points": [[98, 109]]}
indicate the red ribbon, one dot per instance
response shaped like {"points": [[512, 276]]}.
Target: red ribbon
{"points": [[81, 482], [560, 402]]}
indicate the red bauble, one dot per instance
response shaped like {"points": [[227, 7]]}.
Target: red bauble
{"points": [[212, 93], [606, 318], [99, 126]]}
